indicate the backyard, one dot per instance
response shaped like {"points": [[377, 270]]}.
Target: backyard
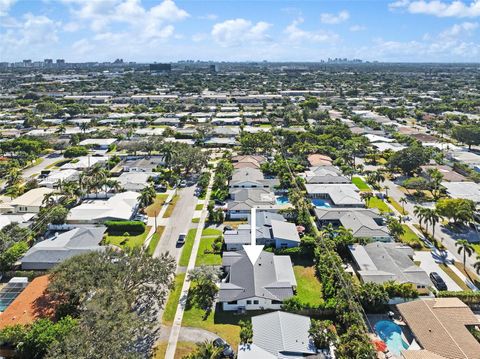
{"points": [[309, 288]]}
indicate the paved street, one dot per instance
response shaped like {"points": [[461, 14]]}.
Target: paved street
{"points": [[179, 222], [47, 161]]}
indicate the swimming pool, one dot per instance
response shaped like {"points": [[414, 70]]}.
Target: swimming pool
{"points": [[281, 200], [321, 203], [391, 334]]}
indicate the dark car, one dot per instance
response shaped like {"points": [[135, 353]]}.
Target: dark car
{"points": [[227, 351], [438, 281]]}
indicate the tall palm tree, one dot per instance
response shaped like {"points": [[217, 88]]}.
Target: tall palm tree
{"points": [[205, 350], [147, 196], [386, 188], [366, 196], [465, 247], [433, 218], [419, 211], [476, 265]]}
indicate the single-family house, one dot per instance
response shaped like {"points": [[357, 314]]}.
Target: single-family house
{"points": [[29, 202], [84, 162], [251, 178], [380, 262], [135, 181], [363, 222], [98, 143], [51, 251], [279, 335], [142, 164], [324, 174], [256, 280], [55, 178], [337, 195], [466, 190], [121, 207], [440, 327], [242, 200]]}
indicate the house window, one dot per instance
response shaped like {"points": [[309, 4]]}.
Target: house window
{"points": [[232, 302], [255, 302], [276, 302], [249, 302]]}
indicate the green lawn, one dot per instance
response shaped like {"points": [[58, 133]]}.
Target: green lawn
{"points": [[199, 207], [211, 232], [410, 238], [360, 183], [173, 298], [187, 248], [155, 239], [224, 324], [171, 207], [155, 207], [128, 241], [397, 206], [476, 247], [207, 258], [455, 277], [376, 202], [309, 288]]}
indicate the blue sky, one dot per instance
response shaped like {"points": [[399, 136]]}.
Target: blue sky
{"points": [[236, 30]]}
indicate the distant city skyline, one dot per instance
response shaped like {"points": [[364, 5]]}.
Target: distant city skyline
{"points": [[284, 31]]}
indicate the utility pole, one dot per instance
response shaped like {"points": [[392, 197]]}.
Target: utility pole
{"points": [[156, 213]]}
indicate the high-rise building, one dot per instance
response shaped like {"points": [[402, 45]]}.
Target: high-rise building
{"points": [[60, 62]]}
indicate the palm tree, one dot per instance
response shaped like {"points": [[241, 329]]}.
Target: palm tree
{"points": [[386, 188], [465, 247], [366, 197], [419, 211], [433, 218], [84, 126], [476, 265], [205, 350], [403, 201], [436, 178], [147, 196]]}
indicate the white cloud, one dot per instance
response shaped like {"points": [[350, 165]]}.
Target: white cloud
{"points": [[328, 18], [465, 28], [5, 6], [72, 26], [295, 34], [235, 32], [208, 17], [199, 37], [440, 8], [82, 47], [357, 28]]}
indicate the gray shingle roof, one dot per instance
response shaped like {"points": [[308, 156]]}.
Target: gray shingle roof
{"points": [[269, 277]]}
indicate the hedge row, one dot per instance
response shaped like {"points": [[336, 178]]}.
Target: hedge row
{"points": [[121, 227], [466, 296]]}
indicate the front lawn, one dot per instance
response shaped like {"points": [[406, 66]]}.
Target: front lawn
{"points": [[155, 207], [130, 242], [172, 302], [155, 239], [187, 248], [397, 206], [309, 288], [207, 258], [171, 207], [360, 183], [211, 232], [410, 238], [376, 202]]}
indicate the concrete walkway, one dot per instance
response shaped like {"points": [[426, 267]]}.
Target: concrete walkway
{"points": [[151, 220], [177, 322], [188, 334]]}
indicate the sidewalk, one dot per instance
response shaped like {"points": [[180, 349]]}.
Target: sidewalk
{"points": [[151, 220], [177, 321]]}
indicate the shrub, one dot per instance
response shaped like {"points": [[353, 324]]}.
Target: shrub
{"points": [[75, 151], [467, 297], [120, 227]]}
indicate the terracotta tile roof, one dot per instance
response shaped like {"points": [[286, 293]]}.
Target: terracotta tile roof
{"points": [[420, 354], [30, 305], [319, 160], [439, 326]]}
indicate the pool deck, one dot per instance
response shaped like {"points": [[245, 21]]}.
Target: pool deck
{"points": [[406, 333]]}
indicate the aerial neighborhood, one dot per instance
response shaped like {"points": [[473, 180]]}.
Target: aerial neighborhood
{"points": [[239, 210]]}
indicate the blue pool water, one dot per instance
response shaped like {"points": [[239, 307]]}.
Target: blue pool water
{"points": [[391, 334], [281, 199], [320, 203]]}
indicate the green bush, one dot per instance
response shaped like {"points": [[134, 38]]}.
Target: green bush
{"points": [[75, 151], [467, 297], [120, 227]]}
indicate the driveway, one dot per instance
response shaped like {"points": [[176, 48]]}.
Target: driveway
{"points": [[428, 264], [47, 161], [179, 222]]}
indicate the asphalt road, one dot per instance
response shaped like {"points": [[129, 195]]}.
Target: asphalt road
{"points": [[179, 222], [47, 161]]}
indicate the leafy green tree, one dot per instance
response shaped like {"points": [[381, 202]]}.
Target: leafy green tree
{"points": [[246, 331], [322, 333], [14, 252], [458, 209], [75, 151], [468, 134], [33, 341], [409, 159], [147, 196], [395, 228]]}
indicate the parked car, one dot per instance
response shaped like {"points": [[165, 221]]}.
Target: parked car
{"points": [[183, 184], [438, 281], [181, 239], [227, 351], [141, 218]]}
